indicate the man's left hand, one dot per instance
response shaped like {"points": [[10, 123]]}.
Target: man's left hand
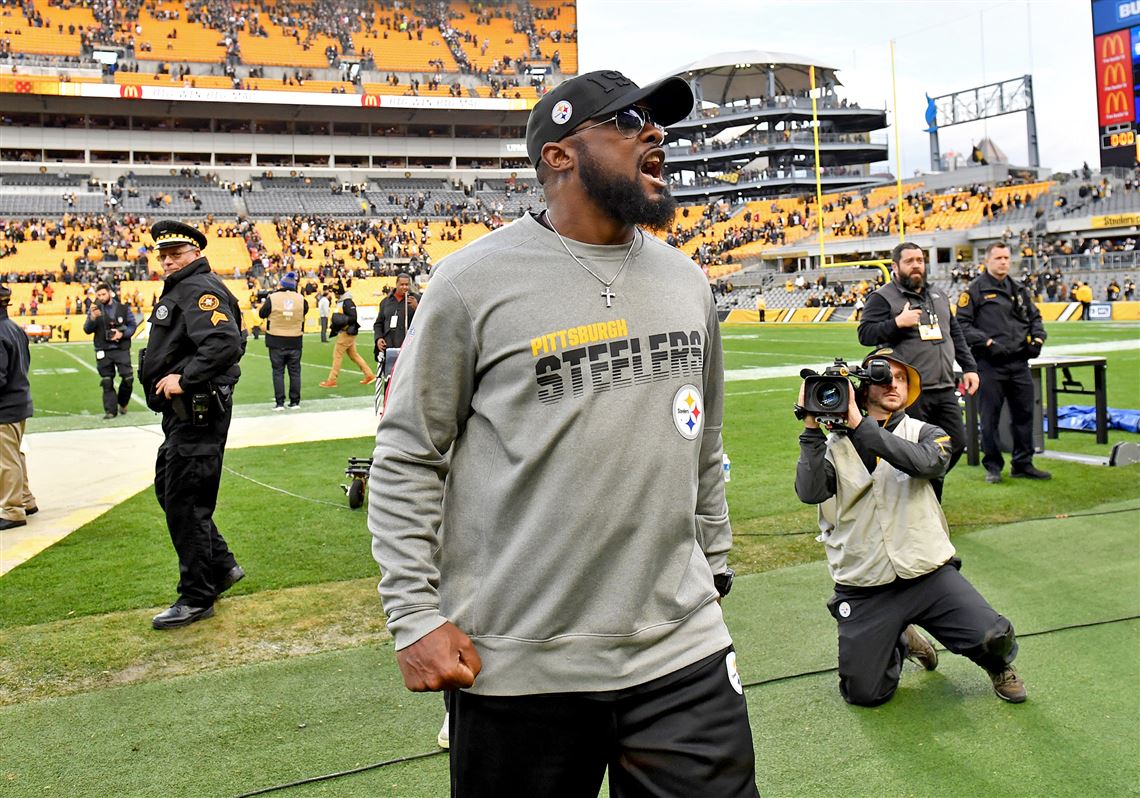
{"points": [[116, 336], [169, 386], [970, 382]]}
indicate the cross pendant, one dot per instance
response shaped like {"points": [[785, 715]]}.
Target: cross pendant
{"points": [[608, 295]]}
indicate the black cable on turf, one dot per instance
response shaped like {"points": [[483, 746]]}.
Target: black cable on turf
{"points": [[340, 773], [760, 683]]}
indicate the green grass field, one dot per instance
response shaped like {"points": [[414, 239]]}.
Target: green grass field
{"points": [[295, 675]]}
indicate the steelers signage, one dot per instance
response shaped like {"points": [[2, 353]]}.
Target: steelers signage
{"points": [[688, 412]]}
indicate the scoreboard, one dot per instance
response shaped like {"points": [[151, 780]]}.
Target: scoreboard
{"points": [[1116, 55]]}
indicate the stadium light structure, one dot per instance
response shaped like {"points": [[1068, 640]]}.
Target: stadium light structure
{"points": [[983, 102]]}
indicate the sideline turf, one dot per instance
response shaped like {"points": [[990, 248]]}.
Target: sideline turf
{"points": [[944, 733]]}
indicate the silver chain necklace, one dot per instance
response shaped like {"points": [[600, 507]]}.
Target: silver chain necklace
{"points": [[607, 294]]}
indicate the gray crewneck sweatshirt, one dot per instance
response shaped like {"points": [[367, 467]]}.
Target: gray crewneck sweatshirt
{"points": [[547, 474]]}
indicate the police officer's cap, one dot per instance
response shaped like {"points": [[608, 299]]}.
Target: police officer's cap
{"points": [[913, 381], [5, 294], [169, 233]]}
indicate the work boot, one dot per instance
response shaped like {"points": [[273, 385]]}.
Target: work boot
{"points": [[328, 384], [1008, 685], [993, 477], [122, 410], [919, 649], [1030, 472], [371, 378]]}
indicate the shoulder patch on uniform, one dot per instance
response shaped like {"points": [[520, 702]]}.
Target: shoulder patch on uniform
{"points": [[161, 312], [208, 302], [217, 318], [964, 299]]}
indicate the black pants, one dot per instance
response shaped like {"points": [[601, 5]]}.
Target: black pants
{"points": [[940, 407], [685, 734], [187, 475], [1012, 383], [115, 360], [871, 624], [281, 359], [324, 329]]}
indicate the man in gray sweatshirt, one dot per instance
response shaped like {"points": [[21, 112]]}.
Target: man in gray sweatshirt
{"points": [[548, 509]]}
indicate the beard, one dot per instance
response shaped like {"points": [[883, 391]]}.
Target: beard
{"points": [[915, 282], [624, 199]]}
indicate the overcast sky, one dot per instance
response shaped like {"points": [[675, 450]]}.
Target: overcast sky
{"points": [[940, 47]]}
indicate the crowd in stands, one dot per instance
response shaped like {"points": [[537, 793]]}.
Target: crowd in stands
{"points": [[348, 33]]}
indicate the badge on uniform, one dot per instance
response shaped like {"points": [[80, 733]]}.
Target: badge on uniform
{"points": [[208, 302], [964, 299], [161, 312]]}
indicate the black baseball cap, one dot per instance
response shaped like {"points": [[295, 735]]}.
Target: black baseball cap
{"points": [[598, 94]]}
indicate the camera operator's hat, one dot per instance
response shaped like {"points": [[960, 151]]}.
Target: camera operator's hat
{"points": [[289, 281], [913, 380], [599, 94], [169, 233]]}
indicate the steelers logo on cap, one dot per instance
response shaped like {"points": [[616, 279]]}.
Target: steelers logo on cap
{"points": [[688, 412], [562, 111]]}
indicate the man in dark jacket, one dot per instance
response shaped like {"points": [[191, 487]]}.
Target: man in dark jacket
{"points": [[346, 327], [396, 313], [189, 370], [112, 324], [1004, 329], [914, 319], [16, 500]]}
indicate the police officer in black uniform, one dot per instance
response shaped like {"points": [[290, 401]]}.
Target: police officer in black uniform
{"points": [[189, 370], [914, 319], [112, 324], [1004, 329]]}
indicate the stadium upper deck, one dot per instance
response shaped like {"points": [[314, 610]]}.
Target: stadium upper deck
{"points": [[488, 38]]}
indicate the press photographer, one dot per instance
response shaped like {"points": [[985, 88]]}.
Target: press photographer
{"points": [[887, 542], [112, 324]]}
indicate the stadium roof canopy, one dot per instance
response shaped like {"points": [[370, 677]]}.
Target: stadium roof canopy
{"points": [[724, 77]]}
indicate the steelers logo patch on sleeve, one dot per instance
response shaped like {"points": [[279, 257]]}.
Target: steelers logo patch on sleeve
{"points": [[688, 412], [208, 302], [964, 299]]}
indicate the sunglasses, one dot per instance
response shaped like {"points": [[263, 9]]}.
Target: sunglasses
{"points": [[630, 122]]}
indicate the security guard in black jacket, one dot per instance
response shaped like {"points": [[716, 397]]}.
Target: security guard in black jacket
{"points": [[112, 324], [189, 370], [914, 319], [1004, 329]]}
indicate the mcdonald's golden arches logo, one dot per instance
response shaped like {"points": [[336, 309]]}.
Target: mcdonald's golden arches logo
{"points": [[1116, 105], [1114, 46], [1114, 77], [130, 92], [370, 100]]}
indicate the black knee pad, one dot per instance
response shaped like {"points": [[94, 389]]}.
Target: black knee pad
{"points": [[108, 383], [999, 638], [127, 384]]}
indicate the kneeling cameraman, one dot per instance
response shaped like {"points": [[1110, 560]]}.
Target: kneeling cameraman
{"points": [[888, 544]]}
